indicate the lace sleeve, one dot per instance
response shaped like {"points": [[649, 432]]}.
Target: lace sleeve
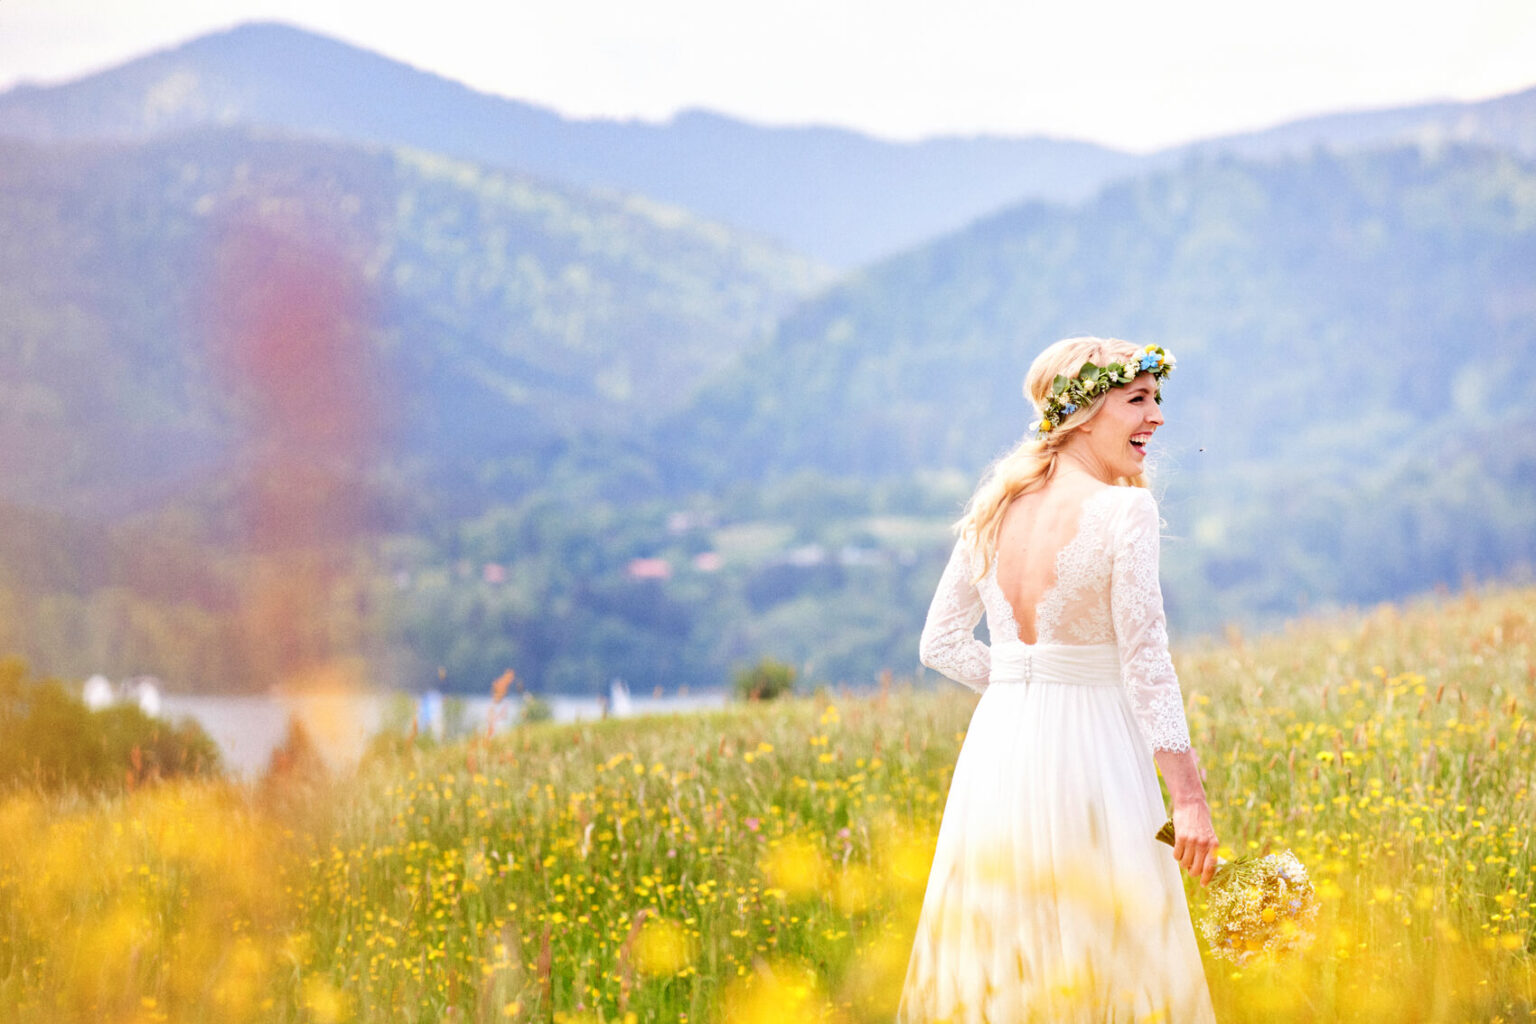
{"points": [[949, 643], [1141, 631]]}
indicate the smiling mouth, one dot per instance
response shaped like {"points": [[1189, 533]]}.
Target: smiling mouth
{"points": [[1139, 441]]}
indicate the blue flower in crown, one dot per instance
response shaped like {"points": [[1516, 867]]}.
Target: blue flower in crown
{"points": [[1068, 394]]}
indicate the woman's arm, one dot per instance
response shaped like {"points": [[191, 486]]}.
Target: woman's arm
{"points": [[1141, 632], [949, 643]]}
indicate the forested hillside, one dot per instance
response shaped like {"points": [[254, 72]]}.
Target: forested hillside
{"points": [[1345, 423], [1382, 292], [1347, 330], [497, 313], [443, 419]]}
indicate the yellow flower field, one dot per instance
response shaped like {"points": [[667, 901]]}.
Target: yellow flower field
{"points": [[766, 863]]}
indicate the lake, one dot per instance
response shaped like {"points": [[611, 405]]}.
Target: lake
{"points": [[249, 728]]}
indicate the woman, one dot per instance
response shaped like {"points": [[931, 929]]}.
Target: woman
{"points": [[1049, 899]]}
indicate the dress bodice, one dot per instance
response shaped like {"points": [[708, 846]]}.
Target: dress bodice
{"points": [[1106, 591], [1075, 609]]}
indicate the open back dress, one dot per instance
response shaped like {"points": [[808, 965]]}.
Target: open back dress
{"points": [[1048, 898]]}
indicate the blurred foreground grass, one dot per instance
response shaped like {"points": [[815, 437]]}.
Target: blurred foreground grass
{"points": [[766, 863]]}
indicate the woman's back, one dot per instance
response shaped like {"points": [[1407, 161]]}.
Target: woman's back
{"points": [[1035, 532], [1052, 579]]}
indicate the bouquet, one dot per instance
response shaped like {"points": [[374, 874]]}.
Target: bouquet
{"points": [[1256, 905]]}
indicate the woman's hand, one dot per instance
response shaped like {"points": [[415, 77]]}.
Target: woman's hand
{"points": [[1194, 839]]}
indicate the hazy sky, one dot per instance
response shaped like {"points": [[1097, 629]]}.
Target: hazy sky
{"points": [[1132, 74]]}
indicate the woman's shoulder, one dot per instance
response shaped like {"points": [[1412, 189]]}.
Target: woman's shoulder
{"points": [[1126, 509], [1127, 499]]}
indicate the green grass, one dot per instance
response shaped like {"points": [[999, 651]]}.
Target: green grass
{"points": [[767, 862]]}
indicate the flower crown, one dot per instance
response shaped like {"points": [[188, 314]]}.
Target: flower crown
{"points": [[1069, 394]]}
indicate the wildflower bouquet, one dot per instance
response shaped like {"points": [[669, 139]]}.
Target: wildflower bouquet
{"points": [[1256, 905]]}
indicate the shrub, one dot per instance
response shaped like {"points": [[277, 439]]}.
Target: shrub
{"points": [[534, 709], [50, 739], [767, 680]]}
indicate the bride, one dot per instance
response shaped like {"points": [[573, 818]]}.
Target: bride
{"points": [[1049, 899]]}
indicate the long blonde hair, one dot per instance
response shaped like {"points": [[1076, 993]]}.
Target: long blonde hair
{"points": [[1032, 463]]}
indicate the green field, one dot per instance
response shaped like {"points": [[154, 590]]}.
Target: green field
{"points": [[766, 863]]}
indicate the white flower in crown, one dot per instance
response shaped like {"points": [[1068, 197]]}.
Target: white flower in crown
{"points": [[1068, 394]]}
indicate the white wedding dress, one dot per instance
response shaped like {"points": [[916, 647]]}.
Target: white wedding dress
{"points": [[1049, 899]]}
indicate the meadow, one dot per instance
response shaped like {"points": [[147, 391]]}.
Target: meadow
{"points": [[766, 862]]}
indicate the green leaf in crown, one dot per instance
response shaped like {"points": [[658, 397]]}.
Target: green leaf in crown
{"points": [[1069, 394]]}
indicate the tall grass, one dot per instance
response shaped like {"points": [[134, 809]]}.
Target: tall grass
{"points": [[766, 862]]}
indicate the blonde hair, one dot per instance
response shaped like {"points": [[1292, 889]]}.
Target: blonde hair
{"points": [[1032, 463]]}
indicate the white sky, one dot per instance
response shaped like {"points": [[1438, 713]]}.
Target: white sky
{"points": [[1131, 73]]}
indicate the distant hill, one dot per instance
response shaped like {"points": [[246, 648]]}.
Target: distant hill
{"points": [[1371, 290], [1504, 122], [841, 197], [506, 312]]}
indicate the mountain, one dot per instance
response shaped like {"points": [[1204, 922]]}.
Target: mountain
{"points": [[1343, 324], [1374, 290], [1504, 122], [489, 313], [844, 198], [839, 196], [587, 434]]}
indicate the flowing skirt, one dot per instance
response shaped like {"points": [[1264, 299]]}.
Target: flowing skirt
{"points": [[1049, 899]]}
